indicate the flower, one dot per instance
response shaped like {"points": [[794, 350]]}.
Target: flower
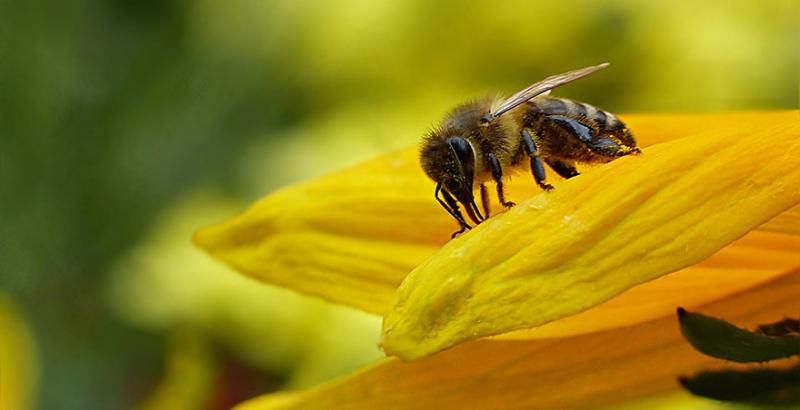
{"points": [[565, 263]]}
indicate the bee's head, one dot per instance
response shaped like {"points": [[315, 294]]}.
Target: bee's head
{"points": [[451, 162]]}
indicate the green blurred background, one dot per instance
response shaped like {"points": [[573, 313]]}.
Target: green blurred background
{"points": [[125, 125]]}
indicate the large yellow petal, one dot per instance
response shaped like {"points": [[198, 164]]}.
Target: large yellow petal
{"points": [[787, 221], [351, 237], [588, 371], [562, 252], [756, 258]]}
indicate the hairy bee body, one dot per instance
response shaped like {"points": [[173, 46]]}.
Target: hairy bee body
{"points": [[555, 139], [478, 142], [499, 138]]}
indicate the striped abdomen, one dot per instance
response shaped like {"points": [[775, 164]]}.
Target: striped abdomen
{"points": [[604, 121], [570, 130]]}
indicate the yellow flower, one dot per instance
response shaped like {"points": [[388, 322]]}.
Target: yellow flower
{"points": [[567, 261]]}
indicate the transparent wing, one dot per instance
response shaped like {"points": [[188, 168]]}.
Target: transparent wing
{"points": [[542, 87]]}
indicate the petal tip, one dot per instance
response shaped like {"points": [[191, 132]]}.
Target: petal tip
{"points": [[403, 347], [205, 238]]}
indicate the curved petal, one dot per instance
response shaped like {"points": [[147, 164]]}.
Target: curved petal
{"points": [[587, 371], [352, 236], [787, 221], [756, 258], [562, 252]]}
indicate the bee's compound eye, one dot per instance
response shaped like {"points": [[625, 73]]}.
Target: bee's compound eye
{"points": [[462, 149]]}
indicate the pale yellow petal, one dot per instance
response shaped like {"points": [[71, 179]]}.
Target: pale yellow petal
{"points": [[595, 236], [349, 237], [352, 236], [587, 371]]}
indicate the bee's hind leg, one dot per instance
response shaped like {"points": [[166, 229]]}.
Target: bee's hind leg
{"points": [[497, 175], [610, 148], [537, 167], [565, 169]]}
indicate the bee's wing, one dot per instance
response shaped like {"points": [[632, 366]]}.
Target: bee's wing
{"points": [[542, 87]]}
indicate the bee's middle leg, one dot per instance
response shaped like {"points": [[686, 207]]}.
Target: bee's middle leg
{"points": [[537, 167], [497, 175], [485, 200]]}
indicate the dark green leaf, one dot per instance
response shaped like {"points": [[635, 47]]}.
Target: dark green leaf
{"points": [[723, 340]]}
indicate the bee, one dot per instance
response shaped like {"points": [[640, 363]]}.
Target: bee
{"points": [[479, 140]]}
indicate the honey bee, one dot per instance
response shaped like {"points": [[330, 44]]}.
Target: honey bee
{"points": [[478, 140]]}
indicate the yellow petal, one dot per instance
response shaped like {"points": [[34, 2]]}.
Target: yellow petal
{"points": [[651, 129], [18, 369], [352, 236], [756, 258], [588, 371], [657, 128], [349, 237], [562, 252], [787, 221]]}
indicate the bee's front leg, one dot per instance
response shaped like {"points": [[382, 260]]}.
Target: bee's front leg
{"points": [[497, 175], [537, 167], [451, 206]]}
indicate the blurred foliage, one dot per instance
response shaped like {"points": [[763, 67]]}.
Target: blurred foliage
{"points": [[165, 284], [114, 112]]}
